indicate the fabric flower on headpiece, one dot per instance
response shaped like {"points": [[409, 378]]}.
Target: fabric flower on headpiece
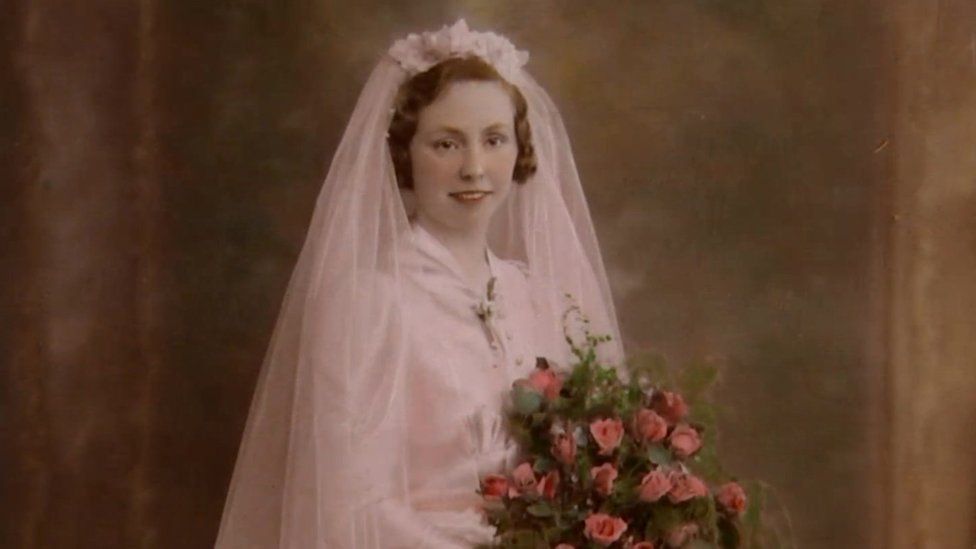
{"points": [[418, 52]]}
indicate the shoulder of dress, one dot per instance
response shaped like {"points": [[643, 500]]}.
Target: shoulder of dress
{"points": [[375, 293]]}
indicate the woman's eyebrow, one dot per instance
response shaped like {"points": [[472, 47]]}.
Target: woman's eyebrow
{"points": [[496, 127], [452, 130], [445, 129]]}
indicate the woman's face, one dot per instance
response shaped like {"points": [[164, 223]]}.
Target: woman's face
{"points": [[463, 155]]}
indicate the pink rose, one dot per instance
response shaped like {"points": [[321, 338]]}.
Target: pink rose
{"points": [[649, 426], [524, 479], [654, 485], [732, 499], [603, 477], [604, 529], [546, 382], [549, 484], [493, 487], [680, 535], [670, 406], [608, 433], [685, 486], [564, 448], [684, 441]]}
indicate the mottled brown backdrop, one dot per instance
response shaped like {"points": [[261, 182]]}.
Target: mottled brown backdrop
{"points": [[785, 187]]}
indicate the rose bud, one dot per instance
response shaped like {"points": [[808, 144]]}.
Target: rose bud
{"points": [[649, 426], [680, 535], [654, 485], [607, 433], [604, 529], [603, 477], [494, 487], [549, 484], [684, 441], [731, 499], [671, 406]]}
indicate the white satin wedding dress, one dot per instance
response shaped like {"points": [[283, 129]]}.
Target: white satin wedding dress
{"points": [[459, 374]]}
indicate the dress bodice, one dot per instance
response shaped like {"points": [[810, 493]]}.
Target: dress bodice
{"points": [[465, 352]]}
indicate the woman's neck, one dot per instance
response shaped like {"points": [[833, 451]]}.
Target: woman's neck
{"points": [[469, 248]]}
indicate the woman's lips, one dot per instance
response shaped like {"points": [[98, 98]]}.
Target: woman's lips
{"points": [[469, 196]]}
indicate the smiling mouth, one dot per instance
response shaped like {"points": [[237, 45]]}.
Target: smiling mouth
{"points": [[470, 196]]}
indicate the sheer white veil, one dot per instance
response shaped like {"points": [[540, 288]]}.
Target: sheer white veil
{"points": [[319, 464]]}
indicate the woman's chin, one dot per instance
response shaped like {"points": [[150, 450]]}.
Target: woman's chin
{"points": [[473, 221]]}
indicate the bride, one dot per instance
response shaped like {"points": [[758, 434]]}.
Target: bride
{"points": [[449, 237]]}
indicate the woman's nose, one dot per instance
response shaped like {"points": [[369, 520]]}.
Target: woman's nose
{"points": [[472, 169]]}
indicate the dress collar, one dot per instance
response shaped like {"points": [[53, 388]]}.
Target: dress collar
{"points": [[428, 245]]}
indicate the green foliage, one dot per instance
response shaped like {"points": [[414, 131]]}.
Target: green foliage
{"points": [[540, 509]]}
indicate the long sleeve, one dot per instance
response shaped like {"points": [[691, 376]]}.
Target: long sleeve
{"points": [[322, 464], [370, 445]]}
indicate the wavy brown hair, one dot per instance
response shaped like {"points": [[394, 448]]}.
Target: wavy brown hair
{"points": [[424, 88]]}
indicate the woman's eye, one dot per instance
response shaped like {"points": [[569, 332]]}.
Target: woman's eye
{"points": [[497, 140], [445, 145]]}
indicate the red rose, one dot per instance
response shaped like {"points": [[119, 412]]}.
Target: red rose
{"points": [[732, 499], [494, 487], [546, 382], [649, 426], [684, 441], [607, 433], [685, 486], [524, 479], [670, 406], [604, 529], [654, 485], [549, 484], [603, 477]]}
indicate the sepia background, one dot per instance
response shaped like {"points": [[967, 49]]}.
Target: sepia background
{"points": [[786, 188]]}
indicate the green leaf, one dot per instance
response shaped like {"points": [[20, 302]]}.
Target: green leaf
{"points": [[527, 401], [658, 454], [540, 509], [664, 517], [702, 509], [583, 465], [526, 539]]}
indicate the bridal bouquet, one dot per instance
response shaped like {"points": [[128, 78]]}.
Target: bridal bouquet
{"points": [[608, 463]]}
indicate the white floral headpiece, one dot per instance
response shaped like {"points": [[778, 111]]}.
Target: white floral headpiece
{"points": [[419, 52]]}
